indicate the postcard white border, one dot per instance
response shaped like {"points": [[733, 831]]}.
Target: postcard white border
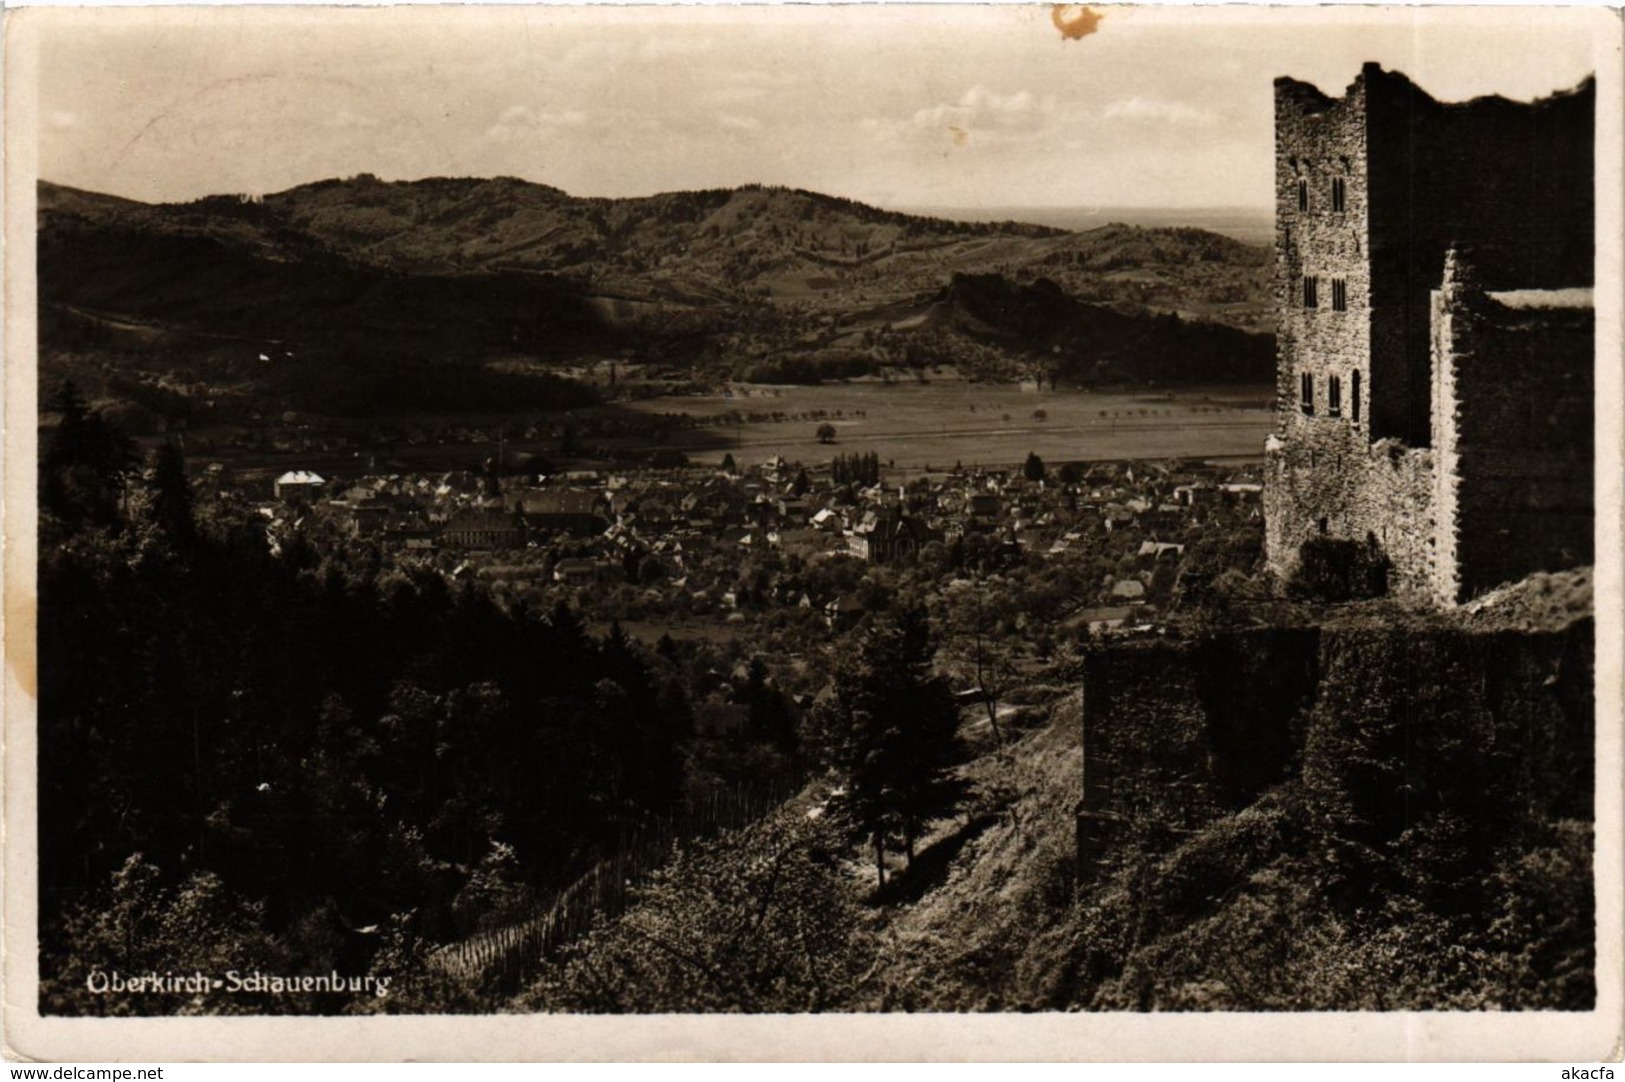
{"points": [[1429, 1036]]}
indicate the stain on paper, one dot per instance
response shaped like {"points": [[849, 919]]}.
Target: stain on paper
{"points": [[19, 632], [1074, 20]]}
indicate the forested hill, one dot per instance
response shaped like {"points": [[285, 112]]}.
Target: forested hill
{"points": [[1095, 343], [482, 266]]}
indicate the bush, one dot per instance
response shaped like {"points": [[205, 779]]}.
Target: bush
{"points": [[758, 920]]}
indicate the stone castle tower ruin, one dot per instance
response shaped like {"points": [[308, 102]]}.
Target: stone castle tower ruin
{"points": [[1435, 334]]}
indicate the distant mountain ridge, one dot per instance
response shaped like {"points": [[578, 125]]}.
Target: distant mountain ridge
{"points": [[458, 270], [469, 224], [1248, 224], [771, 243]]}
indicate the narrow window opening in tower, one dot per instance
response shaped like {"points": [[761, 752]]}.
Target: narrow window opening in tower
{"points": [[1340, 295], [1311, 291], [1354, 395], [1334, 396], [1306, 387], [1303, 194], [1338, 194], [1320, 524]]}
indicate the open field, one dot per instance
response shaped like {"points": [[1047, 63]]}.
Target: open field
{"points": [[912, 426], [935, 425]]}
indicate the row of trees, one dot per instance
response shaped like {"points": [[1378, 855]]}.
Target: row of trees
{"points": [[855, 469]]}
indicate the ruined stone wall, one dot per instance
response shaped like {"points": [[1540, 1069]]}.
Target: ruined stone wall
{"points": [[1513, 396], [1392, 722], [1176, 734], [1509, 183], [1379, 493], [1512, 183]]}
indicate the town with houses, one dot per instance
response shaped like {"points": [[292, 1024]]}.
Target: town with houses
{"points": [[690, 541]]}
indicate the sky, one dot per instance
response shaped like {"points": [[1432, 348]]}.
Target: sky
{"points": [[947, 106]]}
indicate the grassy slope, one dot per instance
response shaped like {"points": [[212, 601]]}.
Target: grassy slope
{"points": [[988, 933]]}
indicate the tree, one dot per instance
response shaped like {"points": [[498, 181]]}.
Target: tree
{"points": [[826, 433], [728, 464], [855, 469], [1335, 569], [1033, 468], [172, 497], [769, 720], [83, 464], [985, 656], [890, 730], [139, 923], [928, 722], [666, 647]]}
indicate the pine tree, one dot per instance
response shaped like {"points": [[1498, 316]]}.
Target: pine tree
{"points": [[83, 464], [666, 647], [172, 498], [890, 730], [1033, 468], [927, 723], [769, 721]]}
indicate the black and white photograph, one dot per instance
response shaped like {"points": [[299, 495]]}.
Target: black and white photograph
{"points": [[946, 513]]}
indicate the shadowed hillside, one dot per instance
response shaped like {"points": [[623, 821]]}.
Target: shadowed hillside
{"points": [[782, 285], [1093, 343], [1418, 846]]}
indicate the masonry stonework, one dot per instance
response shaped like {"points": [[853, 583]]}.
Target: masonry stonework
{"points": [[1379, 382], [1513, 394], [1178, 733]]}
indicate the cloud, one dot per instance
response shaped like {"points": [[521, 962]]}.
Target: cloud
{"points": [[1157, 109], [985, 112], [731, 122], [521, 122], [62, 119]]}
